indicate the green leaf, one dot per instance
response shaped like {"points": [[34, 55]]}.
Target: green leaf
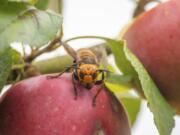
{"points": [[132, 106], [42, 4], [122, 63], [119, 79], [8, 16], [5, 67], [118, 87], [110, 68], [27, 25], [119, 82], [162, 111]]}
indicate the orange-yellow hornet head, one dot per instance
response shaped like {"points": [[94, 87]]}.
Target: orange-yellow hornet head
{"points": [[87, 74]]}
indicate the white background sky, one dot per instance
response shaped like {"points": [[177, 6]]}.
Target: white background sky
{"points": [[105, 18]]}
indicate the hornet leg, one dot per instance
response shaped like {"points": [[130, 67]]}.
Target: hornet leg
{"points": [[56, 76], [75, 89], [99, 82], [95, 97]]}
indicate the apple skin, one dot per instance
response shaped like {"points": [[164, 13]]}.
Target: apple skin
{"points": [[154, 37], [41, 106]]}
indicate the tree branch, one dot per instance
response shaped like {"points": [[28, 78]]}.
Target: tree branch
{"points": [[51, 46]]}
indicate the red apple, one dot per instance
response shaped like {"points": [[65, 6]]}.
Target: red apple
{"points": [[41, 106], [154, 37]]}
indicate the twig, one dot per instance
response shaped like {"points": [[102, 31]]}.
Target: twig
{"points": [[51, 46], [141, 6]]}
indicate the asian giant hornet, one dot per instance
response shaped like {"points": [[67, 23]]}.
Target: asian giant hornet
{"points": [[85, 69]]}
